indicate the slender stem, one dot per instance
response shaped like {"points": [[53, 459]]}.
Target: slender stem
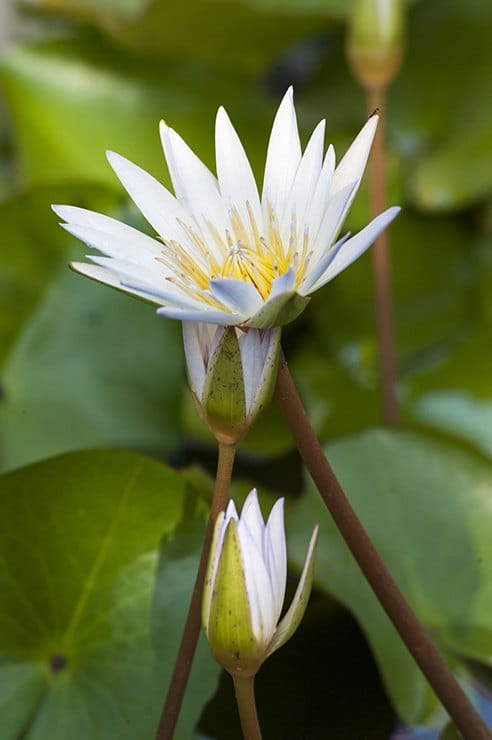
{"points": [[245, 697], [381, 267], [419, 644], [191, 632]]}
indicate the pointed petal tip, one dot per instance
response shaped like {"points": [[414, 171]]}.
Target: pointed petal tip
{"points": [[115, 159], [165, 129], [59, 210], [221, 113], [253, 494]]}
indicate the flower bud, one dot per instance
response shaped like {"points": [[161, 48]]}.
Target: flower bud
{"points": [[245, 588], [374, 44], [231, 374]]}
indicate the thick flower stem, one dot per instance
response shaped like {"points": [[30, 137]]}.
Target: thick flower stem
{"points": [[381, 267], [416, 639], [245, 697], [191, 632]]}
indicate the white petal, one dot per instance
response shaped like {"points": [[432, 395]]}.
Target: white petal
{"points": [[236, 180], [283, 284], [270, 342], [231, 512], [194, 184], [120, 248], [110, 227], [113, 279], [237, 295], [258, 585], [159, 207], [252, 362], [353, 164], [332, 221], [315, 273], [205, 315], [129, 268], [354, 247], [252, 518], [305, 182], [283, 157], [276, 554], [319, 200], [293, 617], [195, 361], [135, 278]]}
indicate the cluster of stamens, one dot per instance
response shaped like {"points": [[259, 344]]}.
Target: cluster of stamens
{"points": [[258, 261]]}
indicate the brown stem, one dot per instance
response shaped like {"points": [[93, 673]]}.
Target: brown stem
{"points": [[432, 665], [191, 632], [381, 267], [245, 698]]}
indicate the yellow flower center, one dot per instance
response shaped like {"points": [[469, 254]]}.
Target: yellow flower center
{"points": [[258, 261]]}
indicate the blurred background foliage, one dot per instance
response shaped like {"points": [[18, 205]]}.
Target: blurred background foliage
{"points": [[99, 548]]}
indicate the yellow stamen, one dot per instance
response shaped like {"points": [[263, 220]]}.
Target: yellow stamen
{"points": [[241, 253]]}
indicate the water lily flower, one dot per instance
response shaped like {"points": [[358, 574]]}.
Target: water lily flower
{"points": [[231, 374], [245, 587], [223, 255]]}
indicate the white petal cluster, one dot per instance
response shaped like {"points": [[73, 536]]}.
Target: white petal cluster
{"points": [[260, 565], [223, 254]]}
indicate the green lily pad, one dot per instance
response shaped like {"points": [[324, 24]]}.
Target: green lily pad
{"points": [[82, 365], [454, 396], [33, 249], [51, 87], [235, 35], [80, 539], [426, 506]]}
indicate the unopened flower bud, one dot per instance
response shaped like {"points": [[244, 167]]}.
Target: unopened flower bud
{"points": [[375, 45], [245, 588], [231, 373]]}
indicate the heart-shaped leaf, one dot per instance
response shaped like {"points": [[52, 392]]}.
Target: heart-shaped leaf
{"points": [[426, 506], [80, 538]]}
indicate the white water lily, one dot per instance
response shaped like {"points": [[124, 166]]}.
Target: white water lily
{"points": [[245, 587], [231, 374], [223, 255]]}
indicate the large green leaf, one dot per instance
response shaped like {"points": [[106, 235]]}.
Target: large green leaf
{"points": [[90, 369], [426, 506], [33, 248], [234, 34], [178, 564], [82, 366], [454, 396], [80, 539], [52, 88]]}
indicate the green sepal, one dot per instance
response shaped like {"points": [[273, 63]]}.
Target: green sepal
{"points": [[230, 631], [224, 402], [292, 619], [279, 311]]}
